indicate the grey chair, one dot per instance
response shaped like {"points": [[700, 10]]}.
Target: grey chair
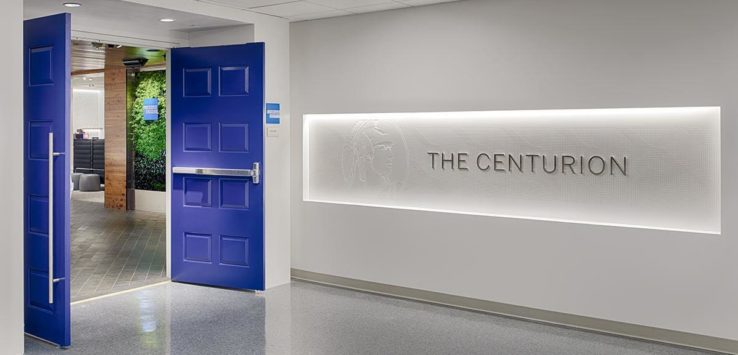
{"points": [[89, 182], [75, 180]]}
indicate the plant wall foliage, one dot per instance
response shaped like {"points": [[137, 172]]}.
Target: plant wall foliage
{"points": [[149, 137]]}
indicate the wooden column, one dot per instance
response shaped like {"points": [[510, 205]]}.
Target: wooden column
{"points": [[115, 132]]}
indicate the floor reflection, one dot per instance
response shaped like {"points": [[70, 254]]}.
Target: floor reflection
{"points": [[305, 318]]}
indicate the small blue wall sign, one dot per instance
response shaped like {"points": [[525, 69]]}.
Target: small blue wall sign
{"points": [[272, 113], [151, 109]]}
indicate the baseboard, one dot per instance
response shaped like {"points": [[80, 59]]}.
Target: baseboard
{"points": [[641, 332]]}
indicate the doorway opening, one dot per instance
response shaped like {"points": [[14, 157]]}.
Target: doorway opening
{"points": [[113, 233], [118, 130]]}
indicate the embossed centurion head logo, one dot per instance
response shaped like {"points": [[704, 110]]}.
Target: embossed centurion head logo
{"points": [[375, 155]]}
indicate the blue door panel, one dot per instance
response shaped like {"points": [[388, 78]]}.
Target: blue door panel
{"points": [[217, 122], [46, 87]]}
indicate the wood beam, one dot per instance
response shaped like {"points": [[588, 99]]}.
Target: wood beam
{"points": [[115, 138]]}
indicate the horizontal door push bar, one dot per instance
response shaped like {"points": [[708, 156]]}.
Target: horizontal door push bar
{"points": [[254, 173]]}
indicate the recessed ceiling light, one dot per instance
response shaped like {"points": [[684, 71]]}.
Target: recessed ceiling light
{"points": [[72, 4], [167, 20]]}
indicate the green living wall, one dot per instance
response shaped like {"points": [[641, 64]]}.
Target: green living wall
{"points": [[149, 137]]}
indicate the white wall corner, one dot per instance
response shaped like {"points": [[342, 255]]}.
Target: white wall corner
{"points": [[11, 216], [276, 36]]}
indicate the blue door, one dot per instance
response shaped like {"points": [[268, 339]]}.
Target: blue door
{"points": [[217, 165], [46, 192]]}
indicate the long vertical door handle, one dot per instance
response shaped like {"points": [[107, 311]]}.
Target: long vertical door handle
{"points": [[51, 217], [52, 154]]}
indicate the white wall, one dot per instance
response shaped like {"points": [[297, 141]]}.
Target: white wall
{"points": [[222, 36], [526, 54], [88, 109], [277, 163], [11, 159], [151, 201]]}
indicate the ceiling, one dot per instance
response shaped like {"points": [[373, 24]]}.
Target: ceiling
{"points": [[92, 56], [300, 10], [85, 56], [94, 82], [128, 17], [132, 15]]}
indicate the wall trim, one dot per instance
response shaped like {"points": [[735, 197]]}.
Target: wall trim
{"points": [[640, 332]]}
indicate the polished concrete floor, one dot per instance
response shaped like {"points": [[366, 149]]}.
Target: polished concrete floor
{"points": [[305, 318], [89, 196], [114, 250]]}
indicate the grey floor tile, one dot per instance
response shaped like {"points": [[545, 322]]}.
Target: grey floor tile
{"points": [[108, 246], [304, 318]]}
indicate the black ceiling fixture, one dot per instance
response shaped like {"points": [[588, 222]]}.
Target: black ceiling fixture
{"points": [[134, 63]]}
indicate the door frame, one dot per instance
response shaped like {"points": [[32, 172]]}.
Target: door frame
{"points": [[276, 33], [168, 160]]}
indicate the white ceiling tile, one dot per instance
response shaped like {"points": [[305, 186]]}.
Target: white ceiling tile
{"points": [[301, 10], [317, 15], [292, 9], [376, 7], [345, 4], [423, 2], [245, 4]]}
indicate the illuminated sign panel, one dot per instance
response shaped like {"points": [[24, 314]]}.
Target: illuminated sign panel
{"points": [[647, 167], [151, 109]]}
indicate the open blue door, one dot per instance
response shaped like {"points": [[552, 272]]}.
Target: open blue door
{"points": [[46, 86], [217, 154]]}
